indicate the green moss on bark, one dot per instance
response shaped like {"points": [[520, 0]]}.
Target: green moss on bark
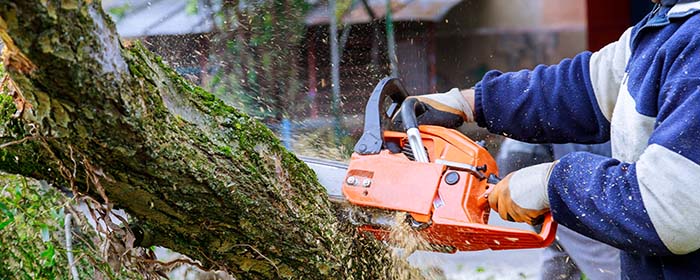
{"points": [[198, 176]]}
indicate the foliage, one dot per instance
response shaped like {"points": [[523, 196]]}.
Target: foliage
{"points": [[191, 7], [32, 236], [118, 12], [33, 239], [342, 6], [254, 67], [29, 234]]}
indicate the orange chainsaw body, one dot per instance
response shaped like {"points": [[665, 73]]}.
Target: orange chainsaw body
{"points": [[456, 213], [444, 195]]}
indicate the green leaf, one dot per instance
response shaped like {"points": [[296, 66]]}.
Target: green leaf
{"points": [[191, 7], [4, 209], [8, 214], [118, 12], [5, 223], [48, 254]]}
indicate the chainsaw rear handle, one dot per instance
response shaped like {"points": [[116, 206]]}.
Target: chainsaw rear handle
{"points": [[544, 220], [372, 138], [549, 229]]}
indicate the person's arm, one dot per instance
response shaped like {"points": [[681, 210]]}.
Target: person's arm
{"points": [[651, 206], [647, 207], [568, 102]]}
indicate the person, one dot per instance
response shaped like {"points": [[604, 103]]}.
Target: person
{"points": [[571, 255], [642, 93]]}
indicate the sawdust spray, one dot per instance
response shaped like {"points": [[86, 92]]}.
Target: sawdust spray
{"points": [[406, 241], [402, 237]]}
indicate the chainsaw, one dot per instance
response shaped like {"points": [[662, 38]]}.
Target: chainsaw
{"points": [[437, 176]]}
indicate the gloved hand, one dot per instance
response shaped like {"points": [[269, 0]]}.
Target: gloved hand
{"points": [[522, 195], [448, 109]]}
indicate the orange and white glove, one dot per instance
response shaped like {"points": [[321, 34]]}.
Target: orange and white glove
{"points": [[522, 195], [449, 109]]}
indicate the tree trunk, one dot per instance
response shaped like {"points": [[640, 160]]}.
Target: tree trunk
{"points": [[196, 175]]}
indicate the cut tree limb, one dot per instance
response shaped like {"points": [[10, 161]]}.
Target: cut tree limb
{"points": [[199, 177]]}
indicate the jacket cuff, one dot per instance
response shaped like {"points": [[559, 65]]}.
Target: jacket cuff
{"points": [[478, 108]]}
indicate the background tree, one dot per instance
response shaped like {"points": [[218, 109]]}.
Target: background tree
{"points": [[254, 64]]}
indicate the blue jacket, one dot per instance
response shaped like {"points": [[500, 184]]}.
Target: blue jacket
{"points": [[643, 94]]}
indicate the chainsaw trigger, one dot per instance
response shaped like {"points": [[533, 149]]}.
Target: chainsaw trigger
{"points": [[493, 179]]}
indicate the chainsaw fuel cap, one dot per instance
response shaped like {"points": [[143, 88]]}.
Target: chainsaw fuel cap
{"points": [[452, 178]]}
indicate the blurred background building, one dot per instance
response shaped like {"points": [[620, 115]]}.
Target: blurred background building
{"points": [[272, 59]]}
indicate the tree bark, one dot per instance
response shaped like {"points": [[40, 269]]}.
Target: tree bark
{"points": [[198, 176]]}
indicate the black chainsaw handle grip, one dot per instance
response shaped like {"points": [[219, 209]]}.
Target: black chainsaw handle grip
{"points": [[372, 137], [408, 113]]}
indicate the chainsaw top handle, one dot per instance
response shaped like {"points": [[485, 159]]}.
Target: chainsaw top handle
{"points": [[408, 113], [410, 124]]}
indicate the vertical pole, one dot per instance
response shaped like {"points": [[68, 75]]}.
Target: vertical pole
{"points": [[376, 39], [311, 61], [376, 29], [272, 74], [203, 57], [241, 40], [335, 71], [432, 59], [286, 127], [391, 43]]}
